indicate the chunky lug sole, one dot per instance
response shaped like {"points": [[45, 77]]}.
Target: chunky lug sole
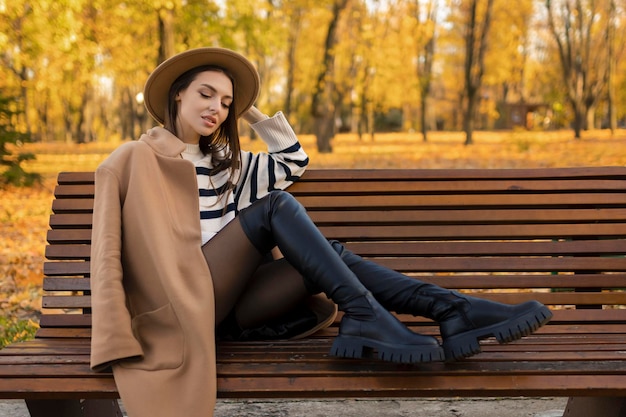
{"points": [[357, 347], [467, 343]]}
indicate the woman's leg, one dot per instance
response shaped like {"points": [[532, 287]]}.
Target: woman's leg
{"points": [[275, 289], [253, 292], [279, 220], [463, 320]]}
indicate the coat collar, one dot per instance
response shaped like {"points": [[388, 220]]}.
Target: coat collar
{"points": [[163, 142]]}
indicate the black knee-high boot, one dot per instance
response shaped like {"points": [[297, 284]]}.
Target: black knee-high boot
{"points": [[463, 320], [279, 220]]}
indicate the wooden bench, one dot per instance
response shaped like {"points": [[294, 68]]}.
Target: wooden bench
{"points": [[555, 235]]}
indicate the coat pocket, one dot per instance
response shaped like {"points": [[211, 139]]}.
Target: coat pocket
{"points": [[161, 338]]}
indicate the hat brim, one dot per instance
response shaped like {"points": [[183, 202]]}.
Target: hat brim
{"points": [[325, 311], [246, 77]]}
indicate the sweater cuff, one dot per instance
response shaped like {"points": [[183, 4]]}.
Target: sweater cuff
{"points": [[276, 132]]}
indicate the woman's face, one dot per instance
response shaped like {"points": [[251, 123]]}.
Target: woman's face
{"points": [[203, 106]]}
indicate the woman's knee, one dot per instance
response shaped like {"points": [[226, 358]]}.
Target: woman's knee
{"points": [[284, 201]]}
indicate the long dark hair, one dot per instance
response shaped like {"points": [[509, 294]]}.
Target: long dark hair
{"points": [[223, 144]]}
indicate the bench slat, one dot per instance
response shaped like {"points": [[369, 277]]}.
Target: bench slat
{"points": [[438, 264], [380, 249], [465, 281], [417, 216]]}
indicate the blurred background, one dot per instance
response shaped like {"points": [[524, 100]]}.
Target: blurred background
{"points": [[74, 70]]}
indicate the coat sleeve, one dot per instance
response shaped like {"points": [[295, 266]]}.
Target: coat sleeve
{"points": [[112, 336], [283, 163]]}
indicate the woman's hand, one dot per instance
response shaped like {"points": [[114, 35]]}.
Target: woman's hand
{"points": [[254, 115]]}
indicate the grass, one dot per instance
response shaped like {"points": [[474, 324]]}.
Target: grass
{"points": [[24, 212]]}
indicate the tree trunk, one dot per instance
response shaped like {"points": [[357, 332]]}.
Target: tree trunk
{"points": [[324, 132], [24, 92], [475, 48], [612, 113], [79, 132], [292, 43], [469, 117], [425, 62], [166, 33], [579, 118], [423, 117], [322, 106], [590, 115]]}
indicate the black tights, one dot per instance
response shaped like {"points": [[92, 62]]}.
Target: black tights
{"points": [[254, 290]]}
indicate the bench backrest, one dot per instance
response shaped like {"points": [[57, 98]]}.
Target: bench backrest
{"points": [[556, 235]]}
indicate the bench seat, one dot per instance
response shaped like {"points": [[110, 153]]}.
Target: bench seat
{"points": [[556, 235]]}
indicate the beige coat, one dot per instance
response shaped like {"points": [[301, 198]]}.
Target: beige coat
{"points": [[156, 325]]}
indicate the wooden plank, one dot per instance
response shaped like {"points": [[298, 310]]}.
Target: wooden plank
{"points": [[73, 236], [401, 186], [60, 268], [66, 284], [73, 205], [491, 248], [567, 332], [65, 320], [434, 248], [58, 387], [468, 216], [526, 282], [69, 301], [415, 386], [331, 175], [68, 251], [560, 316], [74, 191], [434, 264], [532, 178], [480, 232], [465, 281], [505, 263], [75, 177], [426, 232], [373, 217], [337, 386], [447, 201], [64, 333], [74, 220]]}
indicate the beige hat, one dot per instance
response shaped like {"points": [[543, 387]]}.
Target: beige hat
{"points": [[246, 77], [325, 311]]}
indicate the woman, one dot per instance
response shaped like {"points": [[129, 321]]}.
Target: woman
{"points": [[163, 276]]}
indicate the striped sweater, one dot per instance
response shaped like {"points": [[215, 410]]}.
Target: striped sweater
{"points": [[284, 163]]}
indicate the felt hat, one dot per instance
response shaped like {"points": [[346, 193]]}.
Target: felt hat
{"points": [[325, 311], [315, 313], [246, 77]]}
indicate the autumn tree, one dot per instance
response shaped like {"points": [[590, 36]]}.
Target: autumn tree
{"points": [[357, 59], [17, 46], [12, 171], [323, 103], [425, 14], [476, 27], [574, 25], [611, 30]]}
